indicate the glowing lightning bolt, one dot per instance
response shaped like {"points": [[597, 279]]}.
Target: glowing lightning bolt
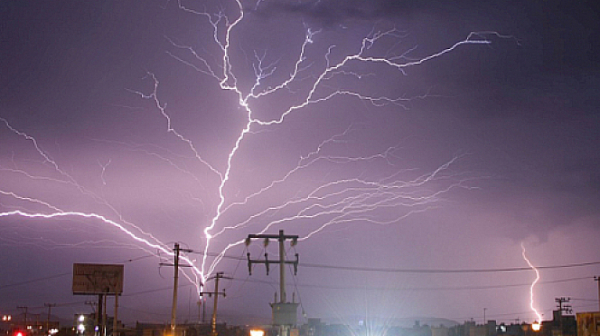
{"points": [[537, 278], [331, 199], [337, 201], [150, 242]]}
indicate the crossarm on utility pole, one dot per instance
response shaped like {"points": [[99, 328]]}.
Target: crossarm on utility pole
{"points": [[284, 314], [176, 266], [281, 237], [216, 293]]}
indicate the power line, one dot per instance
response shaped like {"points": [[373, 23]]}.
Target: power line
{"points": [[590, 300], [271, 283], [473, 270], [34, 280], [367, 269], [408, 270]]}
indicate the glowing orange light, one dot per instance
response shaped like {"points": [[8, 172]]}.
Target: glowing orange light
{"points": [[536, 326], [257, 332]]}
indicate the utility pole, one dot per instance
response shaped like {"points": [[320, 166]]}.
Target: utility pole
{"points": [[597, 279], [49, 305], [25, 309], [104, 317], [281, 238], [175, 284], [95, 309], [216, 293], [37, 321], [200, 306], [284, 313], [563, 308], [204, 311], [100, 316], [176, 266]]}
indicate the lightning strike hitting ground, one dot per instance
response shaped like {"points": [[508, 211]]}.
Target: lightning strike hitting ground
{"points": [[531, 288], [380, 199]]}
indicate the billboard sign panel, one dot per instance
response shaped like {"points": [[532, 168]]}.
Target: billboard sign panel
{"points": [[93, 279]]}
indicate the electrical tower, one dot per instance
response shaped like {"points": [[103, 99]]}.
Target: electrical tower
{"points": [[284, 313]]}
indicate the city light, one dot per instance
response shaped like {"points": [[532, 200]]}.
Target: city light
{"points": [[257, 332]]}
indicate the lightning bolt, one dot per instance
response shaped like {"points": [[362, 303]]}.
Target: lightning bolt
{"points": [[334, 199], [359, 197], [56, 212], [537, 278]]}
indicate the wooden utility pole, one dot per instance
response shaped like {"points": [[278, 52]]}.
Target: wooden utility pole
{"points": [[484, 309], [176, 266], [597, 278], [216, 293], [104, 317], [561, 305], [49, 305], [175, 283], [563, 308], [99, 315], [25, 309], [93, 305]]}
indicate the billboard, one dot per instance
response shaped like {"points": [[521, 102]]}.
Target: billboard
{"points": [[93, 279]]}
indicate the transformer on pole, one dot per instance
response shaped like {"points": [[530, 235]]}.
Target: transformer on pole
{"points": [[284, 313]]}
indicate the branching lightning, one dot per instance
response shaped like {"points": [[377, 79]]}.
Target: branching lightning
{"points": [[362, 197], [334, 201]]}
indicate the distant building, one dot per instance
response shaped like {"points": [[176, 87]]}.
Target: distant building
{"points": [[588, 324], [439, 331]]}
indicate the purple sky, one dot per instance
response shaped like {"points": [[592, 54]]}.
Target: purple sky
{"points": [[410, 175]]}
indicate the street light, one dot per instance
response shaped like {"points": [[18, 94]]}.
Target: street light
{"points": [[81, 325]]}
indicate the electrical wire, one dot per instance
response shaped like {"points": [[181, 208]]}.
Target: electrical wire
{"points": [[434, 271], [34, 280], [458, 288], [473, 270]]}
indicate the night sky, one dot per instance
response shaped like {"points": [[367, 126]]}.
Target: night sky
{"points": [[412, 157]]}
